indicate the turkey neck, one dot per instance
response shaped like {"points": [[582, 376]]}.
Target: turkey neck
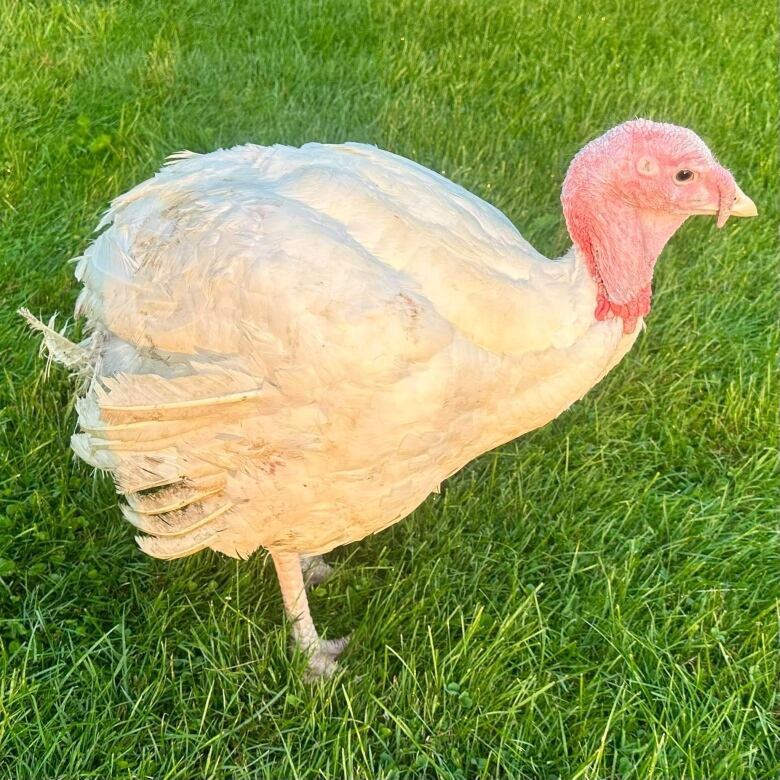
{"points": [[620, 245]]}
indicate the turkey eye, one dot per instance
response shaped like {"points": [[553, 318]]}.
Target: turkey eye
{"points": [[683, 175]]}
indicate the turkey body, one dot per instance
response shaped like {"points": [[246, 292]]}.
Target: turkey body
{"points": [[292, 348]]}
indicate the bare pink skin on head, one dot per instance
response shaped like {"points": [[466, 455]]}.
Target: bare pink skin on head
{"points": [[625, 195]]}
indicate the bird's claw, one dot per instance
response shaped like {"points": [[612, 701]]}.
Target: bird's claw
{"points": [[322, 658], [315, 571]]}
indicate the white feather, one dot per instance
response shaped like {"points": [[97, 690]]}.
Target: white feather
{"points": [[297, 346]]}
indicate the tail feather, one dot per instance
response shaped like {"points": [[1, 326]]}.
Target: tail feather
{"points": [[83, 445], [169, 548], [126, 399], [179, 522], [76, 357], [176, 496], [138, 473]]}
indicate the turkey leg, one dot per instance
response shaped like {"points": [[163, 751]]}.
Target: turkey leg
{"points": [[322, 653]]}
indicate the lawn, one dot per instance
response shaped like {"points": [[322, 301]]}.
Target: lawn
{"points": [[595, 600]]}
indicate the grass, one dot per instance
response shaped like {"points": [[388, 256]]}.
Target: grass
{"points": [[595, 600]]}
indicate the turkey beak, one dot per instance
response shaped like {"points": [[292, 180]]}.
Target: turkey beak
{"points": [[742, 206]]}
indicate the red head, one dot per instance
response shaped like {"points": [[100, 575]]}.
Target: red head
{"points": [[624, 196]]}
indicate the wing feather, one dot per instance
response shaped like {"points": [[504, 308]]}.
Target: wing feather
{"points": [[272, 320]]}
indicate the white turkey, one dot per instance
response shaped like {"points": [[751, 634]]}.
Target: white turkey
{"points": [[290, 348]]}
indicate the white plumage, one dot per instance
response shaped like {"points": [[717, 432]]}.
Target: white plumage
{"points": [[292, 348], [316, 338]]}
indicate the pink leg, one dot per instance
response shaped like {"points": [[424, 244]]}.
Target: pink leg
{"points": [[322, 653]]}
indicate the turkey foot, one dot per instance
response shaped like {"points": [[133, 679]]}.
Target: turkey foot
{"points": [[315, 571], [322, 662]]}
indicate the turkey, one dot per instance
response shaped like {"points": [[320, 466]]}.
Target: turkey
{"points": [[291, 348]]}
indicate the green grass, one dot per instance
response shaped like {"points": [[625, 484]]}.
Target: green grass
{"points": [[596, 600]]}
